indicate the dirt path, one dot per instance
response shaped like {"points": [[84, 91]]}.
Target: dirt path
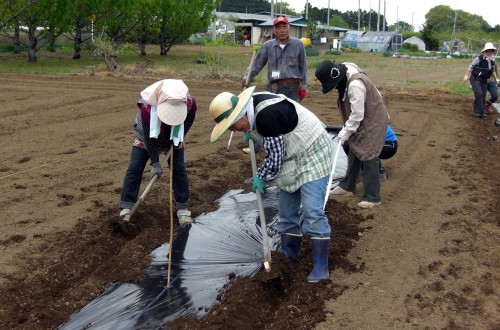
{"points": [[427, 258]]}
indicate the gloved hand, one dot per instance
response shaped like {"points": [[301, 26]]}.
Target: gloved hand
{"points": [[156, 170], [259, 184], [343, 135], [498, 82], [302, 94], [244, 83], [246, 137], [466, 78]]}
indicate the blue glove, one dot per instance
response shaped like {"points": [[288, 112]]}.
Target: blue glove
{"points": [[259, 184], [156, 170], [246, 137]]}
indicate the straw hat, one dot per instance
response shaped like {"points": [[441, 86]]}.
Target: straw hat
{"points": [[330, 74], [488, 46], [169, 96], [225, 108]]}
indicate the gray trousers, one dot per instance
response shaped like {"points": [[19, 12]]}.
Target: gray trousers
{"points": [[479, 86], [289, 89], [371, 181]]}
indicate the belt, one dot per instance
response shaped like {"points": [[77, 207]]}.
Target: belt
{"points": [[287, 81]]}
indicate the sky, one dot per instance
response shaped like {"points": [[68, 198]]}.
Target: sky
{"points": [[402, 10]]}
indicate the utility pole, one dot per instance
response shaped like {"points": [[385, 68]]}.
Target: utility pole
{"points": [[359, 15], [328, 17], [370, 17], [307, 9], [378, 17], [397, 19], [385, 19], [272, 8]]}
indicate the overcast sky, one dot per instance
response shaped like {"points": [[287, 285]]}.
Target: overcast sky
{"points": [[412, 12]]}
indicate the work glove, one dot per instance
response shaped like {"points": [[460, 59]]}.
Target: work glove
{"points": [[498, 82], [246, 137], [156, 170], [259, 184], [302, 94], [343, 136], [466, 78], [244, 83]]}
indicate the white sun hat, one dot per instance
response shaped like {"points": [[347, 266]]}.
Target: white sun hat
{"points": [[170, 97], [488, 46]]}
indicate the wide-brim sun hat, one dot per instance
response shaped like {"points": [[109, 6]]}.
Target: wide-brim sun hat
{"points": [[225, 108], [170, 98], [330, 74], [488, 46]]}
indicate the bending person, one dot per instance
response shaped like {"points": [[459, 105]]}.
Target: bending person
{"points": [[178, 111], [298, 155]]}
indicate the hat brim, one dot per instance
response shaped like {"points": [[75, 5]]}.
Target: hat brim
{"points": [[172, 113], [227, 122], [493, 49], [328, 86]]}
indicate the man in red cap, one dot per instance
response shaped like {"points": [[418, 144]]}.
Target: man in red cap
{"points": [[285, 57]]}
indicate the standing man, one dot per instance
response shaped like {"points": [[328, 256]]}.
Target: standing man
{"points": [[286, 63], [365, 120], [166, 113], [298, 155]]}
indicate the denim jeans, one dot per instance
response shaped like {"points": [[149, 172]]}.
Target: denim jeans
{"points": [[371, 180], [493, 89], [139, 157], [479, 87], [312, 196]]}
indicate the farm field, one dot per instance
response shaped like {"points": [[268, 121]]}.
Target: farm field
{"points": [[427, 258]]}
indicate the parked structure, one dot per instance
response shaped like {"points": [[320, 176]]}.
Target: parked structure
{"points": [[373, 41], [258, 27], [416, 41]]}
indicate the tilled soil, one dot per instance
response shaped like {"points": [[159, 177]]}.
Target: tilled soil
{"points": [[426, 258]]}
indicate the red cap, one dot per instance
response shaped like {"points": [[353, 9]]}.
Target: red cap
{"points": [[280, 19]]}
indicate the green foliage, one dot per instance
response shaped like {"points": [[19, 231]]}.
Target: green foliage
{"points": [[312, 30], [311, 51], [401, 27], [430, 36], [410, 47], [351, 49], [247, 6], [444, 18], [332, 52], [407, 35], [387, 53], [338, 21]]}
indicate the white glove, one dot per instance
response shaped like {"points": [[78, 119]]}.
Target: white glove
{"points": [[344, 135], [466, 77]]}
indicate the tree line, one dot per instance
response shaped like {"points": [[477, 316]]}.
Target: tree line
{"points": [[167, 22], [164, 22]]}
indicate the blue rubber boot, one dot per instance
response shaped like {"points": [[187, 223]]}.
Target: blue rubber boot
{"points": [[290, 246], [320, 259]]}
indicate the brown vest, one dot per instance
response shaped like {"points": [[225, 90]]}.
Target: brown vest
{"points": [[369, 139]]}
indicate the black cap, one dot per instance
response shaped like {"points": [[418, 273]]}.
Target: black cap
{"points": [[330, 74]]}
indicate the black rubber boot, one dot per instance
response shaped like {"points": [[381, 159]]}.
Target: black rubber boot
{"points": [[320, 248], [290, 246]]}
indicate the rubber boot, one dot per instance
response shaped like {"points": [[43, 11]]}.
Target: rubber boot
{"points": [[487, 108], [320, 259], [290, 246]]}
